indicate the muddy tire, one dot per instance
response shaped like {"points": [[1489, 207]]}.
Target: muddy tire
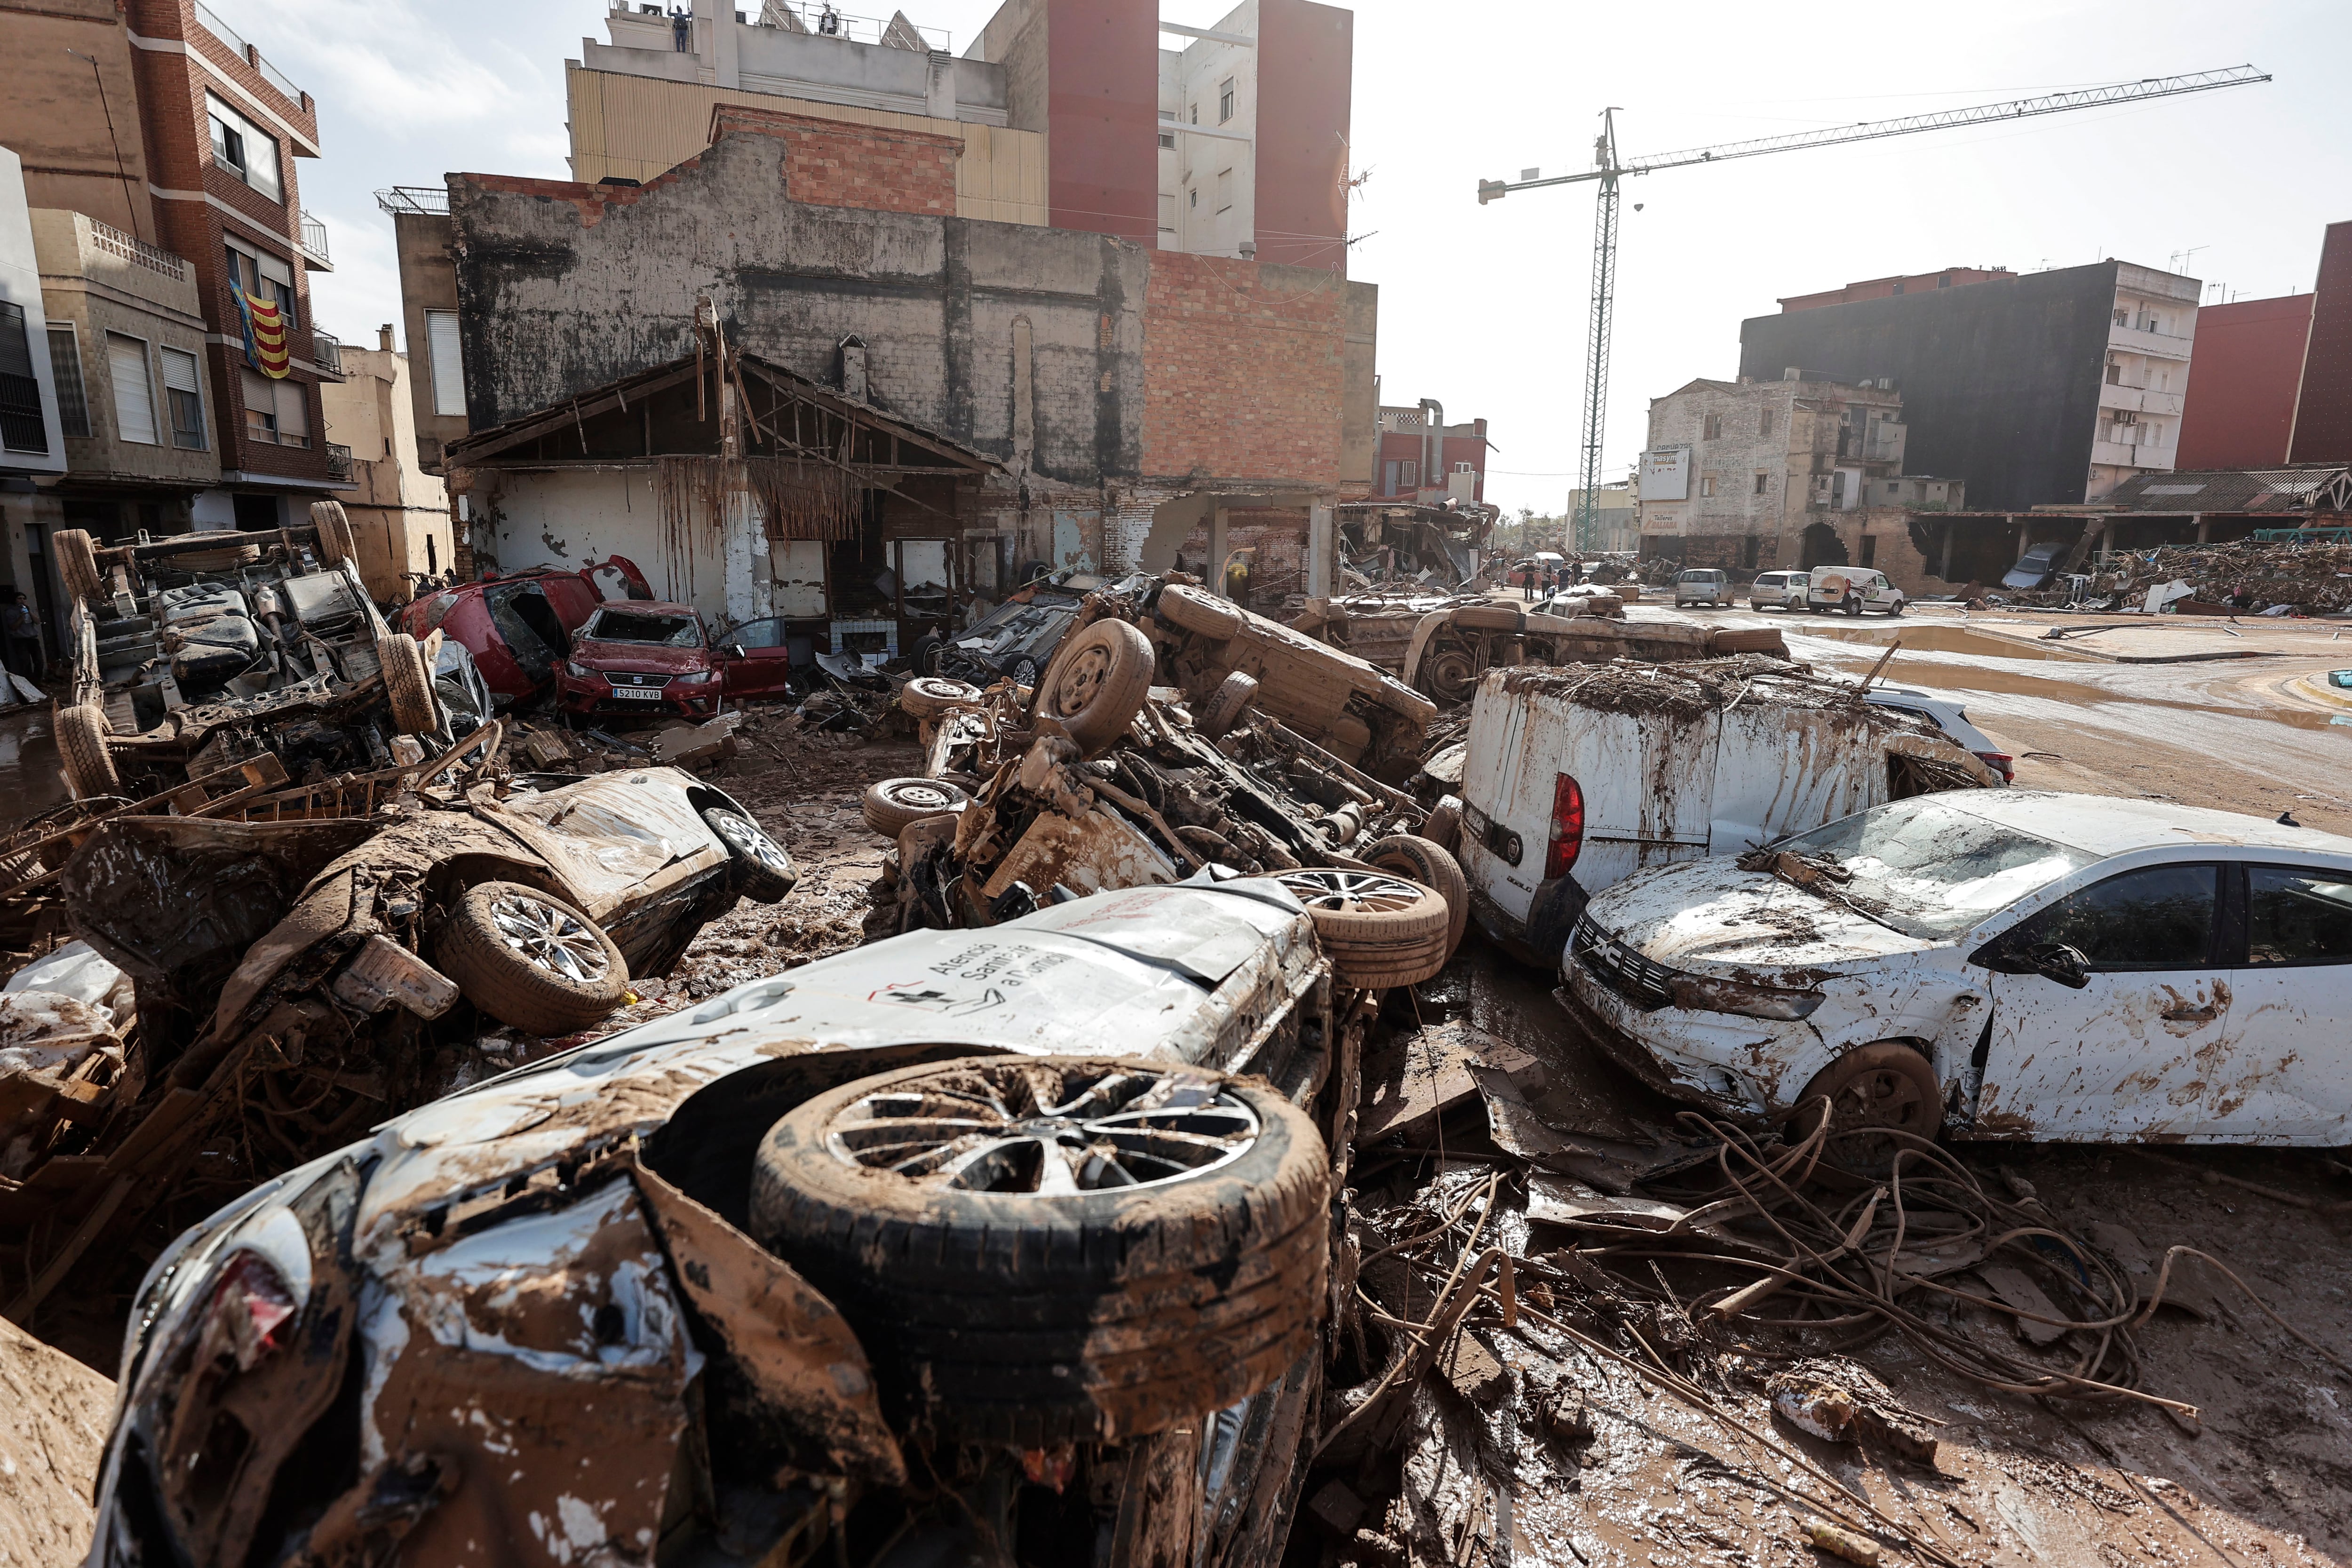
{"points": [[763, 872], [530, 960], [1200, 611], [408, 684], [1885, 1084], [1419, 860], [1895, 609], [937, 696], [1225, 705], [891, 803], [1378, 931], [1444, 828], [84, 750], [76, 560], [335, 545], [1096, 684], [1450, 675], [995, 1312]]}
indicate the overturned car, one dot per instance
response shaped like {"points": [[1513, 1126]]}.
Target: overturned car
{"points": [[885, 1257], [196, 651]]}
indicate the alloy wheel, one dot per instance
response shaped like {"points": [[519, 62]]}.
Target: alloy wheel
{"points": [[551, 937]]}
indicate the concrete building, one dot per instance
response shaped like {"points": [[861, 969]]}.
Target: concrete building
{"points": [[1888, 288], [32, 441], [399, 514], [1068, 113], [1794, 472], [156, 118], [1121, 399], [1616, 519], [2051, 388], [1424, 459]]}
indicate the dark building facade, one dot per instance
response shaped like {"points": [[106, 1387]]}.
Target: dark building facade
{"points": [[2323, 415], [2048, 388]]}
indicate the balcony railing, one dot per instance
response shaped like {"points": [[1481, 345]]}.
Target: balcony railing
{"points": [[314, 237], [339, 462], [212, 24], [416, 201], [136, 251], [326, 352], [815, 16]]}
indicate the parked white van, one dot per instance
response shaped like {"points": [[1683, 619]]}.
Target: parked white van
{"points": [[1852, 589], [1576, 778]]}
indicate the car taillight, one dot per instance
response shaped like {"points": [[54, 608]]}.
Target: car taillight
{"points": [[2000, 762], [1567, 827], [250, 1305]]}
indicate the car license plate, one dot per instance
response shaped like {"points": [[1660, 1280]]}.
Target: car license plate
{"points": [[642, 693]]}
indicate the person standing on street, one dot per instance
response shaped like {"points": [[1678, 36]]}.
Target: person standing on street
{"points": [[20, 634]]}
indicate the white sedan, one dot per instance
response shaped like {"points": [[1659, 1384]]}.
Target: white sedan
{"points": [[1994, 963]]}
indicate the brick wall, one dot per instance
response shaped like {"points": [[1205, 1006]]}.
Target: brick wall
{"points": [[835, 163], [1242, 366]]}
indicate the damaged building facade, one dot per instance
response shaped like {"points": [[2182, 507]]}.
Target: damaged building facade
{"points": [[1131, 404]]}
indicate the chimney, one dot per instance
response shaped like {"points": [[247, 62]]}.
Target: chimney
{"points": [[383, 337]]}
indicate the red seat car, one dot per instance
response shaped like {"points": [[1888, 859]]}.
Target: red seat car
{"points": [[643, 656], [518, 627]]}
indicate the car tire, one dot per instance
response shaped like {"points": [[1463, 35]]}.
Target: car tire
{"points": [[937, 696], [1420, 859], [1198, 611], [763, 872], [84, 750], [1887, 1084], [408, 684], [1034, 1319], [1852, 606], [1895, 609], [1097, 683], [1226, 704], [1379, 930], [891, 804], [76, 559], [335, 545], [1444, 827], [530, 960]]}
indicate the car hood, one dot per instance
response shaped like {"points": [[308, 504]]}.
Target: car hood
{"points": [[1709, 917], [638, 657]]}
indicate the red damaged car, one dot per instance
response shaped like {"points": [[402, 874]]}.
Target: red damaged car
{"points": [[519, 627], [647, 656]]}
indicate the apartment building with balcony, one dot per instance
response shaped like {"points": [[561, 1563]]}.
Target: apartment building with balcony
{"points": [[2050, 388], [158, 121], [1422, 458], [1798, 472]]}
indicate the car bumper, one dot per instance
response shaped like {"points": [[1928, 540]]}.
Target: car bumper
{"points": [[1730, 1066], [594, 695]]}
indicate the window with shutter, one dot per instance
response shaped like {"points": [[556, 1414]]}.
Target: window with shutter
{"points": [[260, 408], [293, 414], [187, 403], [134, 389], [21, 427], [64, 368], [448, 365]]}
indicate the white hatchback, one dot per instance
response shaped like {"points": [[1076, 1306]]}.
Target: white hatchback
{"points": [[1994, 965]]}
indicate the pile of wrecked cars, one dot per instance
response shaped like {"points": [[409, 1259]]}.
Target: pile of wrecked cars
{"points": [[198, 651]]}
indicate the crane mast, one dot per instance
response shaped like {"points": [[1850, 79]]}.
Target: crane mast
{"points": [[1608, 170]]}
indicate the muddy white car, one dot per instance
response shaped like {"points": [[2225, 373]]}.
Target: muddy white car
{"points": [[979, 1231], [1994, 965]]}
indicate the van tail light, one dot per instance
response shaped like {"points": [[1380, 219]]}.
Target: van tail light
{"points": [[2000, 762], [1567, 827]]}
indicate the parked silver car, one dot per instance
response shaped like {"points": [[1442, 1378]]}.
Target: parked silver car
{"points": [[1778, 591], [1702, 585]]}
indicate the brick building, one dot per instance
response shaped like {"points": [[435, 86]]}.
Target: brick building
{"points": [[179, 140], [1129, 403], [1424, 459], [2273, 377], [1798, 472]]}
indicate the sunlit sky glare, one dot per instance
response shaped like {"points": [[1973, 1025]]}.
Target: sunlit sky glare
{"points": [[1484, 307]]}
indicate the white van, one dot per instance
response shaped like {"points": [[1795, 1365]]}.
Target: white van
{"points": [[1852, 589], [1576, 778]]}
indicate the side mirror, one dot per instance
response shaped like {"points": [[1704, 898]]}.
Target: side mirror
{"points": [[2056, 961]]}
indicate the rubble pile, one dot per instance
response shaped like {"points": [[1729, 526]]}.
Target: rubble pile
{"points": [[2247, 575]]}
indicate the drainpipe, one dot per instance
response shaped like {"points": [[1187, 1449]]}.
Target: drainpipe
{"points": [[1433, 439]]}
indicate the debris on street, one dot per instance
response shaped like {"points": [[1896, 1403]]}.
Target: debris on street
{"points": [[2247, 576]]}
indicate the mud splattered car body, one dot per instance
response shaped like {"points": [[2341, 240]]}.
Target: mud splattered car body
{"points": [[516, 1325], [2068, 968]]}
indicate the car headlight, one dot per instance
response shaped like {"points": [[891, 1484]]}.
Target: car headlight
{"points": [[697, 677], [1705, 996], [577, 670]]}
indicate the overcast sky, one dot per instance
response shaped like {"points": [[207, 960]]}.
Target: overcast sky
{"points": [[1483, 308]]}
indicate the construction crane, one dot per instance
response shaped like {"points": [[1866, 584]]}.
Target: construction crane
{"points": [[1608, 169]]}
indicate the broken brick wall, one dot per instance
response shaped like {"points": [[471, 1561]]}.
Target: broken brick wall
{"points": [[836, 164], [1244, 370]]}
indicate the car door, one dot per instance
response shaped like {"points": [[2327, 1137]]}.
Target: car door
{"points": [[2122, 1054], [2286, 1068], [765, 664]]}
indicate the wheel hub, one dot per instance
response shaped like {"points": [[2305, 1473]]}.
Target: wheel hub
{"points": [[552, 938]]}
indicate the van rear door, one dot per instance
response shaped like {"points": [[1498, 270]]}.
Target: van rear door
{"points": [[1780, 769], [1645, 780]]}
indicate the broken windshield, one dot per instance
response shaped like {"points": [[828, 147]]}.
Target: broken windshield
{"points": [[1929, 869], [668, 628]]}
